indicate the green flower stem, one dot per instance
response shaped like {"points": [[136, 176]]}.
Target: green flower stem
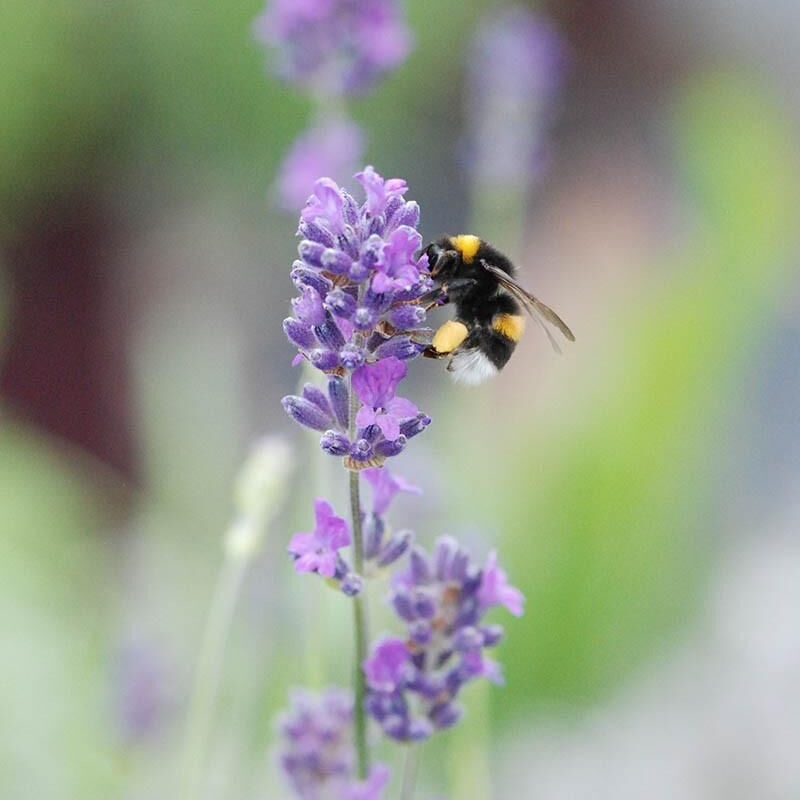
{"points": [[209, 670], [359, 612], [410, 767]]}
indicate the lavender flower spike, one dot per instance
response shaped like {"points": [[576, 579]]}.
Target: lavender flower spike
{"points": [[317, 754], [414, 681], [516, 67], [335, 46], [359, 277]]}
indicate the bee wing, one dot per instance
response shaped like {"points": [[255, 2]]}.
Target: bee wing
{"points": [[536, 308]]}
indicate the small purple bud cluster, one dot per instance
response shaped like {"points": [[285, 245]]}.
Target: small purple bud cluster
{"points": [[414, 682], [318, 755], [334, 46], [319, 550], [358, 278], [382, 546]]}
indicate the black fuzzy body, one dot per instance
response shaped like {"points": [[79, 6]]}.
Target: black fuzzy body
{"points": [[476, 294]]}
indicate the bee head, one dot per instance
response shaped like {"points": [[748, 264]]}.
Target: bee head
{"points": [[442, 260]]}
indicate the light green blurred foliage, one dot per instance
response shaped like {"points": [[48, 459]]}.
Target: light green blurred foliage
{"points": [[610, 522], [56, 739]]}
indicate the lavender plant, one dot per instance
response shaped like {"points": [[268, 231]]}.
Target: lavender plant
{"points": [[356, 320]]}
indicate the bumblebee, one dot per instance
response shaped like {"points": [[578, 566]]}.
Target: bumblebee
{"points": [[479, 281]]}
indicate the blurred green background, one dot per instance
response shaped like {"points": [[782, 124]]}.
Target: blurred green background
{"points": [[641, 490]]}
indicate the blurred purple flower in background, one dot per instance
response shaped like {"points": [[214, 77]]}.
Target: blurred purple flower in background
{"points": [[142, 692], [338, 46], [515, 70], [333, 147], [318, 755], [414, 681]]}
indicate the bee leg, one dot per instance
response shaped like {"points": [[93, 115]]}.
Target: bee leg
{"points": [[458, 283], [422, 336], [431, 299], [431, 352], [458, 287]]}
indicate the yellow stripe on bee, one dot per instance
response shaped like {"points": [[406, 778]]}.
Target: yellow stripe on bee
{"points": [[449, 336], [511, 326], [467, 245]]}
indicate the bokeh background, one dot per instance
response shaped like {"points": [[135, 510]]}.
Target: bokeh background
{"points": [[642, 489]]}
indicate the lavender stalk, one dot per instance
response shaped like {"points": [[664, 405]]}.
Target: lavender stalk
{"points": [[357, 321]]}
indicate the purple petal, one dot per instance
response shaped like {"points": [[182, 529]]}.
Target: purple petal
{"points": [[332, 532], [385, 486], [379, 191], [302, 543], [326, 564], [375, 384], [389, 426], [325, 205], [308, 307], [382, 283], [306, 563], [385, 667], [401, 408], [495, 590], [365, 416], [372, 787]]}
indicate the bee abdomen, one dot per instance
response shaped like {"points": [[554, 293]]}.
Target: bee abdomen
{"points": [[482, 356], [511, 326]]}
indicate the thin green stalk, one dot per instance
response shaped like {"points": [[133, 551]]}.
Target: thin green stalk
{"points": [[410, 768], [207, 679], [359, 613]]}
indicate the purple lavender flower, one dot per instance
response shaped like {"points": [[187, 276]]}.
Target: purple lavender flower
{"points": [[414, 682], [334, 46], [318, 754], [375, 386], [142, 692], [495, 590], [317, 551], [385, 487], [516, 67], [370, 789], [330, 148], [358, 278], [386, 667], [379, 548]]}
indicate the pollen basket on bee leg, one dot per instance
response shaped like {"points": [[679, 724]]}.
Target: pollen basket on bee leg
{"points": [[449, 336]]}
